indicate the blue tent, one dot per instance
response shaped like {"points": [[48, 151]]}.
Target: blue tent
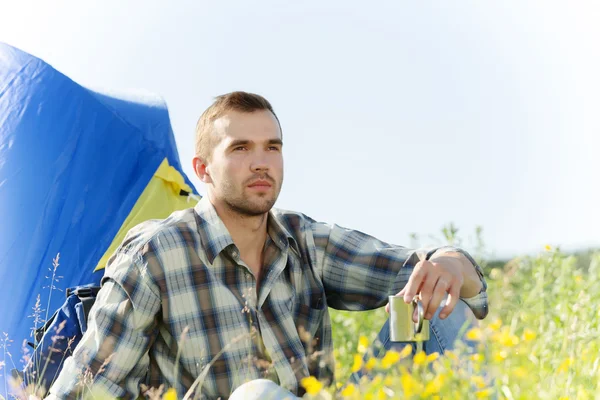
{"points": [[77, 169]]}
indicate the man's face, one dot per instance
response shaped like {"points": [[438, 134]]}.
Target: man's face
{"points": [[245, 172]]}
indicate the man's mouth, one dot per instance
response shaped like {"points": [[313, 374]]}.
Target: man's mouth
{"points": [[260, 184]]}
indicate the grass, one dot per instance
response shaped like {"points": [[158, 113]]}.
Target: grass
{"points": [[540, 340]]}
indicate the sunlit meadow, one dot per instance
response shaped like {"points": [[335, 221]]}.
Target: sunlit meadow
{"points": [[539, 341]]}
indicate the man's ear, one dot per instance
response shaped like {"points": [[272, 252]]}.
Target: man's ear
{"points": [[201, 169]]}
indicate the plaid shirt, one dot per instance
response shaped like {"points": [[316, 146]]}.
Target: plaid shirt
{"points": [[177, 302]]}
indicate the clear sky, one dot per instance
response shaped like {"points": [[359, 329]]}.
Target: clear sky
{"points": [[398, 117]]}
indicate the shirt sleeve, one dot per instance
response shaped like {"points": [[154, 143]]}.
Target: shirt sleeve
{"points": [[112, 355], [359, 272]]}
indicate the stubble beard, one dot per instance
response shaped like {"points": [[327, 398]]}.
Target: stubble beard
{"points": [[242, 205]]}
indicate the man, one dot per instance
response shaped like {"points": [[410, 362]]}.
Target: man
{"points": [[234, 290]]}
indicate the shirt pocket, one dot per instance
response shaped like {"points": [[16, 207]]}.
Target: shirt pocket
{"points": [[308, 313]]}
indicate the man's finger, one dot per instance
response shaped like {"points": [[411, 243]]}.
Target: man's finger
{"points": [[441, 287], [427, 288], [453, 296], [413, 286]]}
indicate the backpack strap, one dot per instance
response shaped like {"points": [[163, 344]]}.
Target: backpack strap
{"points": [[87, 295]]}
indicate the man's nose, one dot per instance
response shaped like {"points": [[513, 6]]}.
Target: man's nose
{"points": [[260, 163]]}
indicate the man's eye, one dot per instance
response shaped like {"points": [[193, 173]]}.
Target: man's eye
{"points": [[238, 148], [274, 148]]}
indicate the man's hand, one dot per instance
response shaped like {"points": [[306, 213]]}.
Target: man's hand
{"points": [[451, 273]]}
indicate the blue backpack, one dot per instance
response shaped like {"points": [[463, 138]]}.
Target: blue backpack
{"points": [[58, 337]]}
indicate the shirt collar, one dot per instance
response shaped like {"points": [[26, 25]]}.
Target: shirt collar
{"points": [[215, 237]]}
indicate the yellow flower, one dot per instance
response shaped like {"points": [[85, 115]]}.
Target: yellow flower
{"points": [[520, 372], [388, 381], [391, 357], [311, 384], [506, 338], [371, 364], [432, 357], [483, 394], [348, 390], [548, 247], [500, 356], [358, 362], [363, 344], [451, 355], [170, 394], [420, 358], [529, 335], [474, 334], [497, 324], [410, 385], [435, 386], [381, 394], [475, 357], [478, 381], [406, 351], [565, 365]]}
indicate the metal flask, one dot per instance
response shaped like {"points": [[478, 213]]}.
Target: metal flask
{"points": [[402, 326]]}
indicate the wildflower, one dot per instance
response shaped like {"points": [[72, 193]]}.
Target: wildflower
{"points": [[391, 357], [474, 334], [363, 344], [497, 324], [381, 394], [170, 394], [500, 356], [478, 381], [529, 335], [451, 355], [483, 394], [410, 385], [565, 365], [311, 384], [420, 358], [406, 351], [506, 338], [348, 390], [435, 386], [548, 247], [358, 362], [432, 357], [370, 364], [520, 372]]}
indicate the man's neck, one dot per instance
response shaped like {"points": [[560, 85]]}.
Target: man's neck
{"points": [[249, 233]]}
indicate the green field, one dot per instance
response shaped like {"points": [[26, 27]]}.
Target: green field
{"points": [[541, 339]]}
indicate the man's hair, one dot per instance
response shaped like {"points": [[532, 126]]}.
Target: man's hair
{"points": [[234, 101]]}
